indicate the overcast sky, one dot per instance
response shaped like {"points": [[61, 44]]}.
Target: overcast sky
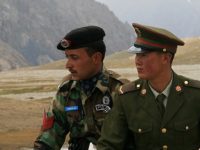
{"points": [[121, 8], [145, 10]]}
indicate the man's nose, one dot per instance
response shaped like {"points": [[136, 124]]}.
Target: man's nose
{"points": [[68, 64], [138, 60]]}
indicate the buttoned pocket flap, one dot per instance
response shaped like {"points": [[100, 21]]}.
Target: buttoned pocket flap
{"points": [[142, 127], [185, 125]]}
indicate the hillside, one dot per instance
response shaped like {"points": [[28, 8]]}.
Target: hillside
{"points": [[10, 58], [26, 92], [33, 28], [187, 55]]}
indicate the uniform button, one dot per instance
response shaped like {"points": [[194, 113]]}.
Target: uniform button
{"points": [[138, 86], [164, 130], [186, 82], [165, 147], [187, 128], [144, 91], [139, 130]]}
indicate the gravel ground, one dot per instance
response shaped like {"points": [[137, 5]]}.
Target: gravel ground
{"points": [[23, 78], [21, 112]]}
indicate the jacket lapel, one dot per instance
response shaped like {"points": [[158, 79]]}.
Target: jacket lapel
{"points": [[175, 100]]}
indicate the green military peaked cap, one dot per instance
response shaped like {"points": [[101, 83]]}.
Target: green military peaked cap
{"points": [[82, 37], [154, 39]]}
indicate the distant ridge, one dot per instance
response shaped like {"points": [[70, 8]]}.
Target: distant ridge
{"points": [[10, 58], [33, 28], [187, 54]]}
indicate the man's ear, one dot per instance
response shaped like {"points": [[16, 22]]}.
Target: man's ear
{"points": [[167, 57], [97, 57]]}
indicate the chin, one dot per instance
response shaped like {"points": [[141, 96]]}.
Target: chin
{"points": [[75, 78], [142, 76]]}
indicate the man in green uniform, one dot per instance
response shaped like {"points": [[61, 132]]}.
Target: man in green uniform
{"points": [[84, 97], [161, 110]]}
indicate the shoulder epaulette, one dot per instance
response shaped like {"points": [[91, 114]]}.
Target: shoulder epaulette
{"points": [[118, 77], [132, 86], [190, 82]]}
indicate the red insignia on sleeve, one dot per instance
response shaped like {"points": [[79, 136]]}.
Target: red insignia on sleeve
{"points": [[47, 121]]}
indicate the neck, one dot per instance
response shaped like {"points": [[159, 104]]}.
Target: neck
{"points": [[99, 69], [160, 83]]}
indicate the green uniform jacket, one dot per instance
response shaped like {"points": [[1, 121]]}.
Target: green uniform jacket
{"points": [[79, 114], [135, 113]]}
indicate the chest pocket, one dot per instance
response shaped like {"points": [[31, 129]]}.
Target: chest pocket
{"points": [[101, 108], [187, 132], [142, 132], [74, 110]]}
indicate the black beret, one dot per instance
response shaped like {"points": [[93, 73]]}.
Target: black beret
{"points": [[152, 38], [81, 37]]}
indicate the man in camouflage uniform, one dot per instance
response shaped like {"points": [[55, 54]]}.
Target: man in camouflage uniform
{"points": [[84, 98], [161, 110]]}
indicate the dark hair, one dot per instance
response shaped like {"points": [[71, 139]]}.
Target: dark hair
{"points": [[96, 47], [172, 57]]}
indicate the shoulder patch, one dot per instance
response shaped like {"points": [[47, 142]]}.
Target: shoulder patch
{"points": [[132, 86], [47, 122]]}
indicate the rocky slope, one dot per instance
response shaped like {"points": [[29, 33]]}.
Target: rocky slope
{"points": [[10, 58], [33, 28]]}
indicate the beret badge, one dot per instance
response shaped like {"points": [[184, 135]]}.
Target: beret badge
{"points": [[65, 43]]}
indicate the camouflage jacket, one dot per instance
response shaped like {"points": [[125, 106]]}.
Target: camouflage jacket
{"points": [[78, 114]]}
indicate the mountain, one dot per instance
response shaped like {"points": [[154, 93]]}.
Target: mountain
{"points": [[186, 55], [10, 58], [34, 27], [179, 16]]}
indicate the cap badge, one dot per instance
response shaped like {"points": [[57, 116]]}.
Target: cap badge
{"points": [[65, 43], [178, 88]]}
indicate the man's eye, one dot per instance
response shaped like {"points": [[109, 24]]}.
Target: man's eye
{"points": [[74, 57], [143, 54]]}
